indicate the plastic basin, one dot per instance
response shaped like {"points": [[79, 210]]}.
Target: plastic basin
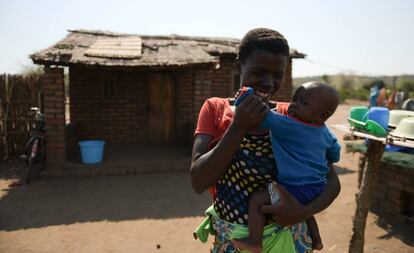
{"points": [[397, 115], [378, 114], [92, 151], [405, 128], [358, 112]]}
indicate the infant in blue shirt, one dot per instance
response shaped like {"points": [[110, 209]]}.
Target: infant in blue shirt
{"points": [[303, 148]]}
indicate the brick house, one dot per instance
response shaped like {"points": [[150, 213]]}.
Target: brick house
{"points": [[127, 88]]}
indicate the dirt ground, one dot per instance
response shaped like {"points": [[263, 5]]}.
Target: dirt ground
{"points": [[154, 213]]}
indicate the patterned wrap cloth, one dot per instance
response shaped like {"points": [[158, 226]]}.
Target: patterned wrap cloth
{"points": [[252, 169], [276, 238]]}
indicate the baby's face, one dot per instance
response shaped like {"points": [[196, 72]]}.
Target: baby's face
{"points": [[307, 106]]}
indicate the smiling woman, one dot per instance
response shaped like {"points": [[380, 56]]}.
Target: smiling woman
{"points": [[233, 157], [263, 72]]}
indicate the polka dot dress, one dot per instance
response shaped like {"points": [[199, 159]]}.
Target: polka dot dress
{"points": [[252, 168]]}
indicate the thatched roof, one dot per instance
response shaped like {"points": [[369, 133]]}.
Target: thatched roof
{"points": [[114, 49]]}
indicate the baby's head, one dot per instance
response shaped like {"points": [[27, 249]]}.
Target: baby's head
{"points": [[314, 102]]}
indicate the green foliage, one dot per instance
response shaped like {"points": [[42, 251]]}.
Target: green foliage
{"points": [[32, 71], [406, 86], [64, 46], [358, 87], [344, 94], [361, 94], [325, 78]]}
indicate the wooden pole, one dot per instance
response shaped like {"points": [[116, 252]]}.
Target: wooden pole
{"points": [[361, 168], [363, 198]]}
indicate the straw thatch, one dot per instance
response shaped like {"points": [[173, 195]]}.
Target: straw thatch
{"points": [[173, 50]]}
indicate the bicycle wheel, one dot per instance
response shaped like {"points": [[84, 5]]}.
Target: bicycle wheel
{"points": [[34, 150]]}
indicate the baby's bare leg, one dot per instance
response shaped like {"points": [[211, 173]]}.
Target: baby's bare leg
{"points": [[257, 222], [314, 232]]}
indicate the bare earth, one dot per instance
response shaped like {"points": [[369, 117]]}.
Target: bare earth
{"points": [[154, 213]]}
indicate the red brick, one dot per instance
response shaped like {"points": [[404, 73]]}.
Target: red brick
{"points": [[379, 195], [409, 188], [393, 207], [405, 179], [395, 185]]}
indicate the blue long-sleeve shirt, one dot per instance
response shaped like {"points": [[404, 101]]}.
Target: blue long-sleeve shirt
{"points": [[301, 150]]}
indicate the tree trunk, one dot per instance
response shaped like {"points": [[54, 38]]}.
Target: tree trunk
{"points": [[363, 198]]}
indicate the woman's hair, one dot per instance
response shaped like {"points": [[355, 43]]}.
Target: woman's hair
{"points": [[265, 39], [380, 84]]}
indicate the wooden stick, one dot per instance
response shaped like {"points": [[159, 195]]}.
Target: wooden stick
{"points": [[361, 168], [389, 140], [363, 198]]}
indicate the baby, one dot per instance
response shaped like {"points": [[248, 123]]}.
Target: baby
{"points": [[304, 148]]}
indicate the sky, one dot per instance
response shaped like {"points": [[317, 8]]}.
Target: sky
{"points": [[352, 37]]}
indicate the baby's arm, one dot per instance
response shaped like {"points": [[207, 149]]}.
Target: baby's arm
{"points": [[272, 122], [334, 151]]}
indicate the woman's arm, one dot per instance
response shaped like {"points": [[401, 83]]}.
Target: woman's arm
{"points": [[333, 187], [289, 211], [207, 167]]}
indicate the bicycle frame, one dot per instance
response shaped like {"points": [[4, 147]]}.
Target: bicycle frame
{"points": [[33, 147]]}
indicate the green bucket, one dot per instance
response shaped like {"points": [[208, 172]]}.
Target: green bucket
{"points": [[356, 116], [358, 112]]}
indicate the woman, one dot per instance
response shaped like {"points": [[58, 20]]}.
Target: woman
{"points": [[233, 156]]}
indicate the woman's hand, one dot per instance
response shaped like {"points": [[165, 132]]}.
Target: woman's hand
{"points": [[250, 112], [288, 210]]}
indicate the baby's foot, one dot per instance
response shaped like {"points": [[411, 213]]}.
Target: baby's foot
{"points": [[246, 244]]}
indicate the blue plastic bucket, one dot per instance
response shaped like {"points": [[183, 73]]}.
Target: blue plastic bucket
{"points": [[92, 151], [392, 148], [380, 115]]}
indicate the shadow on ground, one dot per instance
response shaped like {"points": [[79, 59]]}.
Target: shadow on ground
{"points": [[12, 169], [342, 170], [88, 199], [71, 200], [395, 228]]}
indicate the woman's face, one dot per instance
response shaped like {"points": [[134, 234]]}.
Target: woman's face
{"points": [[264, 72]]}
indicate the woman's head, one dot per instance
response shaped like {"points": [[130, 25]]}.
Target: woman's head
{"points": [[262, 59]]}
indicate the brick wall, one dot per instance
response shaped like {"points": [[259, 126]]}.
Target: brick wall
{"points": [[211, 82], [54, 112], [394, 190], [117, 115], [185, 105], [195, 85], [122, 117], [285, 92]]}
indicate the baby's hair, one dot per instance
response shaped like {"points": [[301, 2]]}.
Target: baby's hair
{"points": [[328, 95], [262, 38]]}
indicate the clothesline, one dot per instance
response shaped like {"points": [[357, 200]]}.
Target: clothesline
{"points": [[387, 140]]}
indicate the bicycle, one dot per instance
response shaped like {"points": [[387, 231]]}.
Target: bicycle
{"points": [[33, 152]]}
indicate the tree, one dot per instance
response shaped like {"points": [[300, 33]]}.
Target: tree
{"points": [[407, 86], [325, 78]]}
